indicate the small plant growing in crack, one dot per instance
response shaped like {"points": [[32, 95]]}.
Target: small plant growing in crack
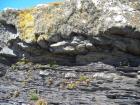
{"points": [[71, 86], [52, 64], [33, 95], [83, 78]]}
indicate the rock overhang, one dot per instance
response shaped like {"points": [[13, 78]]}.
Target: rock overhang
{"points": [[114, 23]]}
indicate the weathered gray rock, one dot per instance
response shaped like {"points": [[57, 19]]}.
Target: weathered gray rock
{"points": [[87, 30], [70, 75], [9, 16], [62, 47], [105, 18], [81, 48], [105, 76], [107, 25], [8, 52], [76, 40], [8, 31], [104, 32], [3, 69], [138, 77], [43, 73], [109, 87], [114, 58], [138, 72]]}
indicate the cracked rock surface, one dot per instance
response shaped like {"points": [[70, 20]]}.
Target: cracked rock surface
{"points": [[93, 84]]}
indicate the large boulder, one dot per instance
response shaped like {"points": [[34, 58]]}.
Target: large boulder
{"points": [[114, 20]]}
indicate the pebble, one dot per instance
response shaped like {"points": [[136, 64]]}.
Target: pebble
{"points": [[43, 73], [104, 76], [138, 77], [139, 72], [70, 75]]}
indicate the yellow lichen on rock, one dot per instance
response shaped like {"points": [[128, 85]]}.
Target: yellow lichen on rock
{"points": [[42, 38], [46, 20], [37, 23], [26, 25]]}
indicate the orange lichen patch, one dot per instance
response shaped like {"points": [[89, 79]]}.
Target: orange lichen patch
{"points": [[26, 25]]}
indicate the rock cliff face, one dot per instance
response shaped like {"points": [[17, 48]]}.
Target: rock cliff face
{"points": [[74, 32]]}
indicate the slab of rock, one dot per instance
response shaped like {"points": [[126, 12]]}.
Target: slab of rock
{"points": [[62, 47], [70, 75], [7, 52]]}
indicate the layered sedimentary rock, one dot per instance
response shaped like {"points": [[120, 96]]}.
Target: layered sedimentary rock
{"points": [[75, 31]]}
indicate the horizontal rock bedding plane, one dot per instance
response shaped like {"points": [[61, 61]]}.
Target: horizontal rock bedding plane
{"points": [[73, 32]]}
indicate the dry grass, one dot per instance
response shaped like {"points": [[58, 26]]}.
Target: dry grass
{"points": [[41, 102]]}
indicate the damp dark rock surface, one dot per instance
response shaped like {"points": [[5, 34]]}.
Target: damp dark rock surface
{"points": [[92, 84]]}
